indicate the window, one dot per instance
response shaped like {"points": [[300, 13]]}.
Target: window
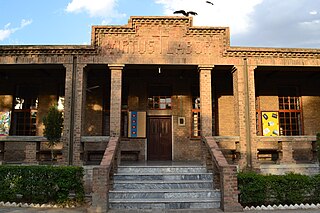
{"points": [[290, 111], [159, 97], [195, 117], [196, 125], [25, 111], [159, 102]]}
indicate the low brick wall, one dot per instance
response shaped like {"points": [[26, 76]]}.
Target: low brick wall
{"points": [[28, 150], [138, 145], [305, 169]]}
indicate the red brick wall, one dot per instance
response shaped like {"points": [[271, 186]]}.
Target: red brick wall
{"points": [[311, 115]]}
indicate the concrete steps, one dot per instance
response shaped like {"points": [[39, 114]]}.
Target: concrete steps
{"points": [[163, 187]]}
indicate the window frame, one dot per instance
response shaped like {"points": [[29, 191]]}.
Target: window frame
{"points": [[294, 107], [195, 126]]}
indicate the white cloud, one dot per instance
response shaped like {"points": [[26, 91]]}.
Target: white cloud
{"points": [[313, 12], [237, 16], [311, 26], [7, 31], [95, 8], [25, 23], [4, 33]]}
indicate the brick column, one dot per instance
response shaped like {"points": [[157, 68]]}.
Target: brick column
{"points": [[75, 99], [287, 153], [115, 99], [205, 99], [79, 111], [251, 117], [67, 113], [31, 152], [244, 92]]}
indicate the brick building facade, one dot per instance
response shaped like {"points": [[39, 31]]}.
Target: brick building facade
{"points": [[161, 84]]}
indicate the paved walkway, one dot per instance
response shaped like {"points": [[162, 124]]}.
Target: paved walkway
{"points": [[216, 211], [41, 210], [83, 210]]}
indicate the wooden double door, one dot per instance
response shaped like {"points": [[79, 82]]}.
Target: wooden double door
{"points": [[159, 138]]}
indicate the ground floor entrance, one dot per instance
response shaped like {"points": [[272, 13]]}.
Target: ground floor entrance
{"points": [[159, 145]]}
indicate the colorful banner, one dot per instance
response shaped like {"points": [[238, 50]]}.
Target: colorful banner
{"points": [[137, 124], [134, 124], [270, 123], [5, 119]]}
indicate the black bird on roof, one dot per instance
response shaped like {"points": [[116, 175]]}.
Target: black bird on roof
{"points": [[185, 13], [209, 2]]}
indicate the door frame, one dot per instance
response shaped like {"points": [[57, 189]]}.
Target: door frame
{"points": [[148, 129]]}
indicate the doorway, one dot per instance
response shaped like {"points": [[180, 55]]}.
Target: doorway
{"points": [[159, 139]]}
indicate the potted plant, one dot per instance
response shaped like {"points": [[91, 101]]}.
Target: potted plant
{"points": [[53, 122]]}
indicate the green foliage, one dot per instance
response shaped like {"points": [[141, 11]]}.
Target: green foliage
{"points": [[256, 189], [315, 185], [53, 123], [252, 188], [41, 184]]}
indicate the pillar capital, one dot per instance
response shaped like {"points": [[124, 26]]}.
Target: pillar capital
{"points": [[205, 67], [116, 66]]}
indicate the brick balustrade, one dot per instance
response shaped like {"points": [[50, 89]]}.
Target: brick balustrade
{"points": [[227, 177], [101, 177], [286, 146]]}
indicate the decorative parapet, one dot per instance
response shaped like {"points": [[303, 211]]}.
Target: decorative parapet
{"points": [[25, 50], [159, 36], [99, 32], [272, 52]]}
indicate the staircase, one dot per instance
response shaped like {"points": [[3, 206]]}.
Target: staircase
{"points": [[163, 187]]}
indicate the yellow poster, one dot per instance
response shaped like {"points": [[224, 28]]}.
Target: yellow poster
{"points": [[270, 123]]}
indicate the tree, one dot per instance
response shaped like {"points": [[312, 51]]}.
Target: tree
{"points": [[53, 122]]}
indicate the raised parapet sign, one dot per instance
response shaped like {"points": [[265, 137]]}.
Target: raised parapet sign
{"points": [[161, 39]]}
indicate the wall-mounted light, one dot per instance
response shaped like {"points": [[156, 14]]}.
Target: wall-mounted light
{"points": [[159, 70]]}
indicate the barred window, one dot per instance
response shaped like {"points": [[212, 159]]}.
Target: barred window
{"points": [[290, 111]]}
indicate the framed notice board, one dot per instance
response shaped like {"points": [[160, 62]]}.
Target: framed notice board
{"points": [[270, 123], [137, 124]]}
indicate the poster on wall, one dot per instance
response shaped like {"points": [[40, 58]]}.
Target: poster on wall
{"points": [[5, 119], [270, 123], [137, 124]]}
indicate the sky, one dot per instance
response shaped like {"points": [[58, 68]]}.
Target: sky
{"points": [[253, 23]]}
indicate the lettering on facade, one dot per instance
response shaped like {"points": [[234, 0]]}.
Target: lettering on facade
{"points": [[160, 43], [150, 46]]}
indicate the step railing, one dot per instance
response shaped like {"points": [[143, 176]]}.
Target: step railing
{"points": [[225, 175], [102, 179]]}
